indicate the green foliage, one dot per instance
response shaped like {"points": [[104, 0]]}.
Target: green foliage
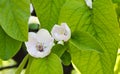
{"points": [[101, 23], [21, 66], [66, 58], [4, 64], [84, 50], [14, 18], [48, 11], [118, 10], [60, 48], [94, 41], [117, 65], [8, 46], [116, 1], [30, 59], [47, 65]]}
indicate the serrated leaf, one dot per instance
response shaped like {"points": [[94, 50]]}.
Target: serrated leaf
{"points": [[8, 46], [48, 11], [48, 65], [101, 23], [14, 18]]}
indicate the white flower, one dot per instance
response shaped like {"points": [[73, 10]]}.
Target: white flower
{"points": [[39, 44], [89, 3], [33, 20], [61, 32], [31, 8]]}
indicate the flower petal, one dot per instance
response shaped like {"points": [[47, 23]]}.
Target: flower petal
{"points": [[43, 36], [33, 20], [55, 33], [67, 37], [31, 8], [58, 32], [31, 43], [89, 3]]}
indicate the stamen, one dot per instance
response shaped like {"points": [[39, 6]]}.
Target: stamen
{"points": [[65, 33], [39, 47]]}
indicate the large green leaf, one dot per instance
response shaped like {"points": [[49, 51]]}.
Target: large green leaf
{"points": [[48, 11], [8, 46], [101, 23], [116, 1], [84, 41], [74, 13], [86, 53], [14, 18], [48, 65], [118, 10]]}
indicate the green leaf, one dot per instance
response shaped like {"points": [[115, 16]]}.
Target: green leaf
{"points": [[116, 1], [75, 13], [66, 58], [14, 18], [101, 23], [86, 53], [48, 65], [48, 11], [84, 41], [118, 10], [30, 59], [21, 66], [0, 62], [117, 65], [8, 46], [59, 49]]}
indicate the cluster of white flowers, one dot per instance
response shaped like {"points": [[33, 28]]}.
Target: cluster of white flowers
{"points": [[39, 44]]}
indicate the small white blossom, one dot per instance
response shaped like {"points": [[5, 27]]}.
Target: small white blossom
{"points": [[31, 8], [39, 44], [89, 3], [33, 20], [61, 32]]}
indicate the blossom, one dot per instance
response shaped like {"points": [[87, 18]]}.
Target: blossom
{"points": [[39, 44], [33, 20], [33, 23], [61, 32], [89, 3], [31, 8]]}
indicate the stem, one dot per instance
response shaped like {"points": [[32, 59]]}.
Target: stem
{"points": [[21, 66], [8, 67], [28, 65]]}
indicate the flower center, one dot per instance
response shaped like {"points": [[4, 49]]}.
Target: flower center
{"points": [[63, 31], [39, 47]]}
